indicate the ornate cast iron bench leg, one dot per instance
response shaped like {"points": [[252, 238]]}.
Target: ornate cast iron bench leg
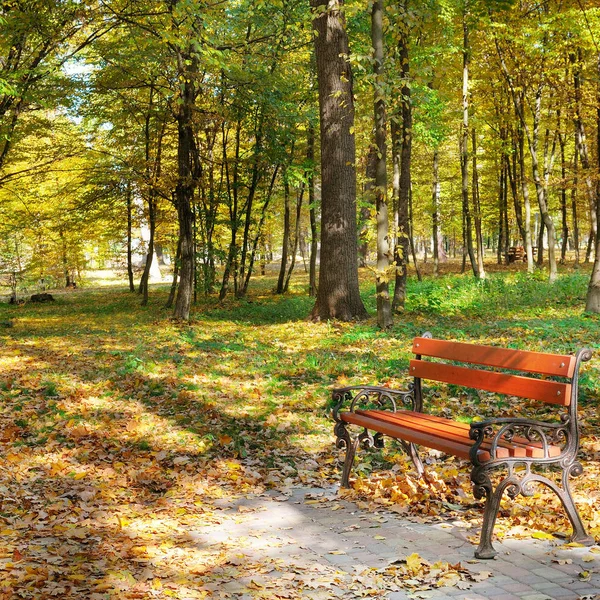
{"points": [[520, 483], [566, 497], [345, 440], [411, 450]]}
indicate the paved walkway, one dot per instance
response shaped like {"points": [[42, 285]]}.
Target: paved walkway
{"points": [[314, 545]]}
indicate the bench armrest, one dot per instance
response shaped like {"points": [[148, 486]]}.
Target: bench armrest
{"points": [[367, 396], [505, 429]]}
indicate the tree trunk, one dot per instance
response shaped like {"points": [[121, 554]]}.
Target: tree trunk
{"points": [[338, 296], [563, 199], [129, 238], [477, 209], [184, 189], [232, 195], [464, 154], [314, 247], [286, 235], [435, 202], [592, 303], [294, 247], [541, 186], [574, 208], [539, 261], [513, 180], [582, 148], [384, 308], [173, 289], [402, 246]]}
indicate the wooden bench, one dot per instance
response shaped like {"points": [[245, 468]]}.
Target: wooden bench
{"points": [[507, 454]]}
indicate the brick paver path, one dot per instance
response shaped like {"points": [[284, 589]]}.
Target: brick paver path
{"points": [[322, 549]]}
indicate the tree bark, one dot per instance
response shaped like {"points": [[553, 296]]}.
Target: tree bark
{"points": [[477, 210], [128, 193], [592, 303], [285, 244], [384, 308], [402, 246], [574, 208], [435, 202], [582, 148], [314, 242], [338, 296], [464, 153], [184, 189]]}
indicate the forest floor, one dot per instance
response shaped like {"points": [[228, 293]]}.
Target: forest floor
{"points": [[122, 432]]}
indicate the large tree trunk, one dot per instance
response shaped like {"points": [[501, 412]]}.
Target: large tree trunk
{"points": [[384, 308], [338, 296], [402, 246]]}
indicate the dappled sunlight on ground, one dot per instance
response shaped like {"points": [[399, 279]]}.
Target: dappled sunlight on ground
{"points": [[121, 431]]}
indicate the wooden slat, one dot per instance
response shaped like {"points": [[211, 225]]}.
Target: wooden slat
{"points": [[553, 392], [517, 447], [505, 358], [409, 435]]}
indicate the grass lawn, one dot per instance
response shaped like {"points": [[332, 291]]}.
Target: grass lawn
{"points": [[119, 428]]}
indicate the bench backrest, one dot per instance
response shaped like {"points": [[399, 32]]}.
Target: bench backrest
{"points": [[511, 384]]}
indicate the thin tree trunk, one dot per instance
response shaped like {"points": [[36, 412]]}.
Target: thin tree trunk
{"points": [[563, 199], [435, 202], [477, 209], [314, 247], [259, 230], [526, 201], [464, 153], [539, 261], [232, 195], [171, 297], [592, 303], [299, 201], [411, 239], [574, 208], [582, 148], [384, 308], [129, 237], [402, 247], [286, 236]]}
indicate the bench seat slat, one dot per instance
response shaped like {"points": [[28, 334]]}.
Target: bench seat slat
{"points": [[517, 447], [504, 358], [553, 392], [410, 435]]}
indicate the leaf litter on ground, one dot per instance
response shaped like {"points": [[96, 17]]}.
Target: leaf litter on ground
{"points": [[116, 447]]}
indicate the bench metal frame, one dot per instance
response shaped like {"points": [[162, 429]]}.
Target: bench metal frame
{"points": [[519, 473]]}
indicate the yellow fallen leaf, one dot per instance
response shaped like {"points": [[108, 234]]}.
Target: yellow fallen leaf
{"points": [[379, 537], [414, 561], [588, 558], [336, 552], [542, 535]]}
